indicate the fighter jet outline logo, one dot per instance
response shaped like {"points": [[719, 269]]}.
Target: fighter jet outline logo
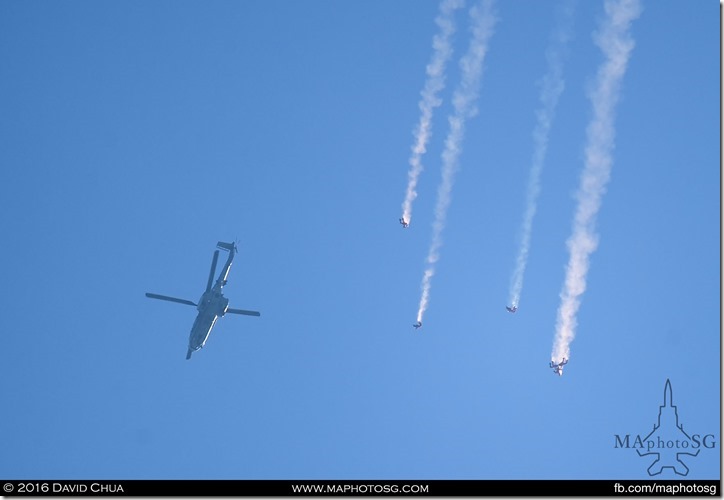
{"points": [[667, 425]]}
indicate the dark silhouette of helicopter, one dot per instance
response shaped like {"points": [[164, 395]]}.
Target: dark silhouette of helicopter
{"points": [[212, 304]]}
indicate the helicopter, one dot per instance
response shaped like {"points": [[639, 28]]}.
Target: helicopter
{"points": [[212, 305]]}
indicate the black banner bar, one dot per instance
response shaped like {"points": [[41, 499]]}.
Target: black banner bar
{"points": [[321, 488]]}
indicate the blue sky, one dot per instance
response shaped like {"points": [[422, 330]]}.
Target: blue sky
{"points": [[135, 135]]}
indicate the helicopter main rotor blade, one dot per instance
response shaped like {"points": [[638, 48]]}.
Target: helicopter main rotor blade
{"points": [[242, 311], [213, 271], [170, 299]]}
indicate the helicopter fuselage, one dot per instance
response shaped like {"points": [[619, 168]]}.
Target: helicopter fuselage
{"points": [[211, 306]]}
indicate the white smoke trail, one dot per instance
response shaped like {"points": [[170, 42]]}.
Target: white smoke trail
{"points": [[442, 50], [616, 43], [551, 89], [464, 98]]}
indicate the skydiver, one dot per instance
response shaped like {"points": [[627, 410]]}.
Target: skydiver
{"points": [[558, 367], [511, 309], [417, 325], [404, 222]]}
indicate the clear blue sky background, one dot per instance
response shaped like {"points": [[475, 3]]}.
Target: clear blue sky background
{"points": [[135, 135]]}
